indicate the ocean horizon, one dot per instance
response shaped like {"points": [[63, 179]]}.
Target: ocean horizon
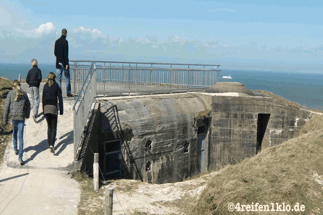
{"points": [[300, 87]]}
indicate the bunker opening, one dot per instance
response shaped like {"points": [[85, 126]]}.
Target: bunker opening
{"points": [[261, 129], [201, 147], [112, 159]]}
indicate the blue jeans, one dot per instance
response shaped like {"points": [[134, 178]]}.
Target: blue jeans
{"points": [[36, 99], [18, 130], [67, 77]]}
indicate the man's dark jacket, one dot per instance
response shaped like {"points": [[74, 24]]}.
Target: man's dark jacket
{"points": [[61, 51], [50, 95], [34, 77]]}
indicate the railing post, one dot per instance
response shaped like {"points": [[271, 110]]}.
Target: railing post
{"points": [[96, 172], [171, 78], [204, 79], [122, 74], [188, 78], [93, 84], [110, 75], [19, 78], [217, 73], [129, 79], [108, 200], [151, 76], [104, 79], [74, 79], [75, 134]]}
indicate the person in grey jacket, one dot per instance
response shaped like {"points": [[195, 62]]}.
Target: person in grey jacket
{"points": [[17, 105], [33, 79]]}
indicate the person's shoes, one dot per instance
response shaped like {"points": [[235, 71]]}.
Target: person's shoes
{"points": [[21, 162], [16, 152], [69, 95], [52, 150], [34, 119]]}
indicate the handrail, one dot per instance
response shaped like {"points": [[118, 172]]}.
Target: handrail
{"points": [[78, 97], [90, 61], [84, 101]]}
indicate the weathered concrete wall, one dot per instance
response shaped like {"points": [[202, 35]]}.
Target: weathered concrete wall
{"points": [[91, 141], [167, 121], [158, 127], [234, 126]]}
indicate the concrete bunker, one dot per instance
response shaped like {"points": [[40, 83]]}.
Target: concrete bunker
{"points": [[170, 137]]}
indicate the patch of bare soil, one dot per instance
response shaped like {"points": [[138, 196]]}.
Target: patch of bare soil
{"points": [[136, 197]]}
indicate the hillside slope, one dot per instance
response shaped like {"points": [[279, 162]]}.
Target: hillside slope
{"points": [[5, 132]]}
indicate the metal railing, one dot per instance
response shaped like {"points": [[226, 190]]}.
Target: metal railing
{"points": [[108, 78], [128, 78], [82, 106]]}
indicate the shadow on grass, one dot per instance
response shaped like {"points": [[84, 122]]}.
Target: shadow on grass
{"points": [[6, 132]]}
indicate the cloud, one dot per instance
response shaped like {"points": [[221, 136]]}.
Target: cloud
{"points": [[43, 30], [222, 10], [92, 44], [95, 33]]}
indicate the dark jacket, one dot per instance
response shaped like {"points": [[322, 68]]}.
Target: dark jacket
{"points": [[17, 110], [34, 77], [61, 51], [50, 95]]}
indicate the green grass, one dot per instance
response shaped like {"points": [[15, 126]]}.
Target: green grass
{"points": [[90, 203]]}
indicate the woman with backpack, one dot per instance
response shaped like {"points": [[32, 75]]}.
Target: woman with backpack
{"points": [[51, 92], [17, 105]]}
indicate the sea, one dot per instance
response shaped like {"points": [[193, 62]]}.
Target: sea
{"points": [[301, 87]]}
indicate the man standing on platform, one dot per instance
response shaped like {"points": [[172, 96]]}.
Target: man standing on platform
{"points": [[62, 62]]}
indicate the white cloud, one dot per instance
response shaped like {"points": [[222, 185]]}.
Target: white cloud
{"points": [[95, 33], [42, 30]]}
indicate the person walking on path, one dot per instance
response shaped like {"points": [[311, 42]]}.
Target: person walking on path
{"points": [[33, 79], [62, 61], [18, 106], [51, 92]]}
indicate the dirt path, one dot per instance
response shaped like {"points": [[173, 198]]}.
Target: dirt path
{"points": [[41, 185]]}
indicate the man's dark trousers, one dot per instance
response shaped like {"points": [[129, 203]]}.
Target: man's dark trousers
{"points": [[59, 72]]}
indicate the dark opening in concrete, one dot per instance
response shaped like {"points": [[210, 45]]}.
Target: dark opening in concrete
{"points": [[261, 129], [148, 166], [201, 129], [186, 145], [148, 145], [111, 159]]}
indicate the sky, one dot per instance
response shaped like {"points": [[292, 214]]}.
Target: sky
{"points": [[263, 35]]}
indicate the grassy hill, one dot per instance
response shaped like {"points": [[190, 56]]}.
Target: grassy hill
{"points": [[5, 86], [290, 173]]}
